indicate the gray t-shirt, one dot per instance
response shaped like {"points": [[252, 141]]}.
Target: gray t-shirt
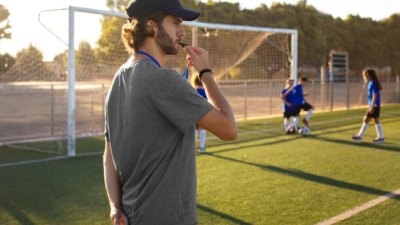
{"points": [[150, 118]]}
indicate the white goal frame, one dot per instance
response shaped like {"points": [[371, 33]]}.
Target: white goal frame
{"points": [[71, 56]]}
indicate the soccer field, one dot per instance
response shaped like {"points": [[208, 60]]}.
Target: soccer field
{"points": [[264, 177]]}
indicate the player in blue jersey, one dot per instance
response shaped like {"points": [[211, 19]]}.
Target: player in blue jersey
{"points": [[200, 89], [374, 106], [299, 102], [288, 108]]}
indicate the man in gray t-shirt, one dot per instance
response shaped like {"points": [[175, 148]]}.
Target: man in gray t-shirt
{"points": [[151, 113]]}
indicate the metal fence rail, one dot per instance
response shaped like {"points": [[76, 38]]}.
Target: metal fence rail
{"points": [[38, 111]]}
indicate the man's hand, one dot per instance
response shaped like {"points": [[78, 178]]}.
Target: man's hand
{"points": [[199, 57], [118, 217], [288, 104]]}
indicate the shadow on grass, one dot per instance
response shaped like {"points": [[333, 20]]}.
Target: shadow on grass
{"points": [[221, 215], [251, 146], [311, 177], [17, 214], [380, 146]]}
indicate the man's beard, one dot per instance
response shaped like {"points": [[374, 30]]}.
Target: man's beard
{"points": [[166, 43]]}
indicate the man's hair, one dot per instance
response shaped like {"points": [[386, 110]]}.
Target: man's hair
{"points": [[305, 79], [134, 32]]}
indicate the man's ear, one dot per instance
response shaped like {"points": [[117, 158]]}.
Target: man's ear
{"points": [[150, 26]]}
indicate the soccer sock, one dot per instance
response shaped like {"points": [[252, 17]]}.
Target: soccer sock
{"points": [[295, 121], [286, 123], [202, 138], [379, 130], [363, 129], [310, 112]]}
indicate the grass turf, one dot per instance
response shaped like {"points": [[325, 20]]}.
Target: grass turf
{"points": [[264, 177]]}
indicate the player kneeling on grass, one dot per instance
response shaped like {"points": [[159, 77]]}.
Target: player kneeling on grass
{"points": [[288, 108], [374, 106], [151, 113], [299, 102]]}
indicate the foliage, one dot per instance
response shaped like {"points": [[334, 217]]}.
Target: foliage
{"points": [[3, 17], [368, 42], [6, 62]]}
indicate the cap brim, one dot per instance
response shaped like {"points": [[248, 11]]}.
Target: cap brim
{"points": [[185, 14]]}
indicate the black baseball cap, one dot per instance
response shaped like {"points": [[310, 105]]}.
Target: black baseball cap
{"points": [[141, 8]]}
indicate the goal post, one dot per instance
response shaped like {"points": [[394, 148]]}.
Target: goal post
{"points": [[292, 57]]}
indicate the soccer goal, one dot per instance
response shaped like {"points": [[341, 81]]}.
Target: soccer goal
{"points": [[249, 63]]}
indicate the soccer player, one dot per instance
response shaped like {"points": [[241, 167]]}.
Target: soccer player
{"points": [[374, 106], [150, 157], [299, 102], [200, 89], [288, 109]]}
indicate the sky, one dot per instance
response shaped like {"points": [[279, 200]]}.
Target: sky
{"points": [[26, 29]]}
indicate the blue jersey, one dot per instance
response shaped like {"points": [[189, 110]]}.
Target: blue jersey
{"points": [[373, 89], [298, 98], [202, 92], [288, 98]]}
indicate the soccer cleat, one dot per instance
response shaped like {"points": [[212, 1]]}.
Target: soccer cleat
{"points": [[288, 132], [356, 138], [202, 150], [305, 122], [378, 140]]}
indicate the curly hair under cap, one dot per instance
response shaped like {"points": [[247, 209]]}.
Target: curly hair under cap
{"points": [[134, 32]]}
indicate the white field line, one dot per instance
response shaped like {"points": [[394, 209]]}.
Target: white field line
{"points": [[208, 138], [48, 159], [361, 208]]}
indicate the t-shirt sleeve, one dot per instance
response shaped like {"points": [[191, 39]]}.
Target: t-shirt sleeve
{"points": [[178, 101]]}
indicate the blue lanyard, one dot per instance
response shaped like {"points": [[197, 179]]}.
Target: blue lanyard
{"points": [[185, 74], [151, 57]]}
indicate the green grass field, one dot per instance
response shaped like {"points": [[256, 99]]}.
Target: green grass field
{"points": [[264, 177]]}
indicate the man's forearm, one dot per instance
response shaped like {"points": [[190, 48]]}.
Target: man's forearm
{"points": [[111, 180], [216, 98]]}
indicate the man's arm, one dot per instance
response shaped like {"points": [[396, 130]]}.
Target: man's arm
{"points": [[220, 121], [113, 187]]}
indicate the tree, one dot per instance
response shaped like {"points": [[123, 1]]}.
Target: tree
{"points": [[6, 62], [85, 61], [3, 17], [29, 66]]}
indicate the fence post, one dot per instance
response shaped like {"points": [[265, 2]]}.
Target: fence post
{"points": [[245, 99], [271, 92], [52, 110], [103, 96], [397, 88], [322, 88]]}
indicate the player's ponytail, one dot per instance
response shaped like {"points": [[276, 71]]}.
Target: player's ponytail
{"points": [[371, 73], [134, 32]]}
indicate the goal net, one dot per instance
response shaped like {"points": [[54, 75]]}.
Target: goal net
{"points": [[50, 103]]}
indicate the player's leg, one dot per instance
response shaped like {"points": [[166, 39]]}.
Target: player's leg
{"points": [[296, 118], [203, 140], [378, 126], [286, 121], [307, 107], [364, 127]]}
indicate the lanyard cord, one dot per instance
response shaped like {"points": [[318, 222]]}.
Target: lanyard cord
{"points": [[151, 57], [185, 74]]}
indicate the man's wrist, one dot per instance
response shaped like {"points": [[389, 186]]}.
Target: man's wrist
{"points": [[203, 71], [206, 77]]}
